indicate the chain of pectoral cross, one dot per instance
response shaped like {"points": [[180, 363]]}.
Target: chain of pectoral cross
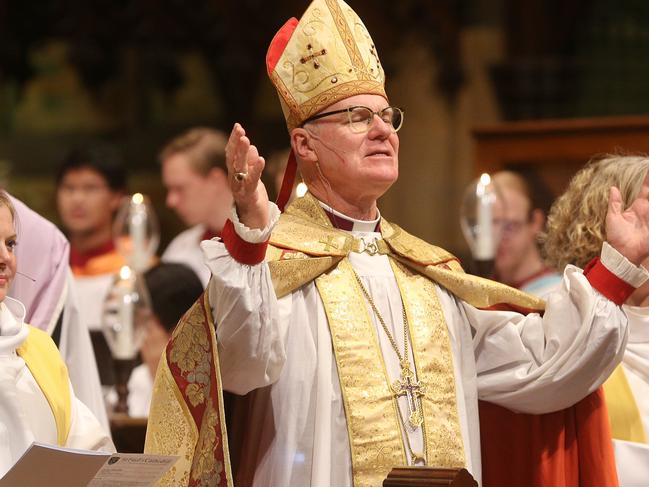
{"points": [[407, 385]]}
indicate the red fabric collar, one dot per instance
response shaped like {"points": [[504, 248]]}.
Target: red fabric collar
{"points": [[342, 223], [80, 259]]}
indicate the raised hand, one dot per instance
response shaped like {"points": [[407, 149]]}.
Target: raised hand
{"points": [[628, 230], [245, 166]]}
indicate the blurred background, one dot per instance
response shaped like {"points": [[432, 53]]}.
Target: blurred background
{"points": [[137, 72]]}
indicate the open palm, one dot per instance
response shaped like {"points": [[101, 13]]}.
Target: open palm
{"points": [[248, 191], [628, 230]]}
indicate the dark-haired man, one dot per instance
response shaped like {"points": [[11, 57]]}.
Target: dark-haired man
{"points": [[90, 184]]}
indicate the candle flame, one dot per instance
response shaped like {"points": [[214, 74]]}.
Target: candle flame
{"points": [[125, 272], [137, 198]]}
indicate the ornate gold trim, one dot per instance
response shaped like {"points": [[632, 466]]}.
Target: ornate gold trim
{"points": [[431, 347], [170, 429], [374, 433], [221, 407]]}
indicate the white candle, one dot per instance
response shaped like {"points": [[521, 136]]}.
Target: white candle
{"points": [[137, 232], [484, 247], [124, 339]]}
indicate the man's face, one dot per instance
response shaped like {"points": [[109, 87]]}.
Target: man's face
{"points": [[519, 232], [356, 164], [85, 202], [190, 194]]}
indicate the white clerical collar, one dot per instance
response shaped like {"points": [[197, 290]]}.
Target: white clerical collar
{"points": [[344, 222]]}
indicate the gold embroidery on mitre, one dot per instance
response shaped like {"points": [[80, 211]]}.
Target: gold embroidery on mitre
{"points": [[330, 56]]}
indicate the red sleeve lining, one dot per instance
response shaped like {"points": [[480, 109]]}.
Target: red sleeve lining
{"points": [[607, 283], [240, 250]]}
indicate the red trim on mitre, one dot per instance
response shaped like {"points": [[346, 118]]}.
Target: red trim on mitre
{"points": [[240, 250], [607, 283], [287, 182], [278, 44]]}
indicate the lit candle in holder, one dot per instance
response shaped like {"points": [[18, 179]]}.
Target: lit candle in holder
{"points": [[481, 207], [137, 231], [124, 343], [136, 237], [485, 248]]}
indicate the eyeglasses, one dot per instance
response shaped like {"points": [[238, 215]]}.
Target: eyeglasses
{"points": [[510, 227], [361, 118]]}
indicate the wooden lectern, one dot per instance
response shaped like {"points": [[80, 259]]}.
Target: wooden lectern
{"points": [[429, 477]]}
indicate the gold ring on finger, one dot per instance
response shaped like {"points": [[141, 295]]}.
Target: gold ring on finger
{"points": [[240, 176]]}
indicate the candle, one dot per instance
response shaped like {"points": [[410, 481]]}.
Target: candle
{"points": [[124, 340], [137, 232], [484, 247]]}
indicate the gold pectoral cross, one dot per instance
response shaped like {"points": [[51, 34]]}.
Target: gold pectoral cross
{"points": [[407, 385]]}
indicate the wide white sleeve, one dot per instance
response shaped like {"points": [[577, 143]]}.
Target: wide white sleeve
{"points": [[244, 307], [85, 431], [535, 364], [636, 360], [632, 461], [77, 352]]}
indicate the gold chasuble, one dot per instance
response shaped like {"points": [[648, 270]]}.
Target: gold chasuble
{"points": [[186, 416]]}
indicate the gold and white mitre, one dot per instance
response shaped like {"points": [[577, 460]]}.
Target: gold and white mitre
{"points": [[325, 57]]}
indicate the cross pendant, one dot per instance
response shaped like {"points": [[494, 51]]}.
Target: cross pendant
{"points": [[407, 385]]}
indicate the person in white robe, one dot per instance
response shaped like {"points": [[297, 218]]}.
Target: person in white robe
{"points": [[576, 229], [194, 174], [295, 344], [37, 402], [47, 291]]}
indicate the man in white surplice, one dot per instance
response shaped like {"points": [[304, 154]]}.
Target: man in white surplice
{"points": [[347, 152]]}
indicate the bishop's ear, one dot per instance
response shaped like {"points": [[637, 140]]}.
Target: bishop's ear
{"points": [[302, 144]]}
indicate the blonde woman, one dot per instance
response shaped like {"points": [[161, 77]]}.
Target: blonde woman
{"points": [[575, 234], [36, 400]]}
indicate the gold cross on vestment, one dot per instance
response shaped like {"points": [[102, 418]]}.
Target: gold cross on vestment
{"points": [[329, 243], [407, 385], [313, 55]]}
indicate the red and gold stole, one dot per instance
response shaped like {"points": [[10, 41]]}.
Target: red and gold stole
{"points": [[187, 416]]}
